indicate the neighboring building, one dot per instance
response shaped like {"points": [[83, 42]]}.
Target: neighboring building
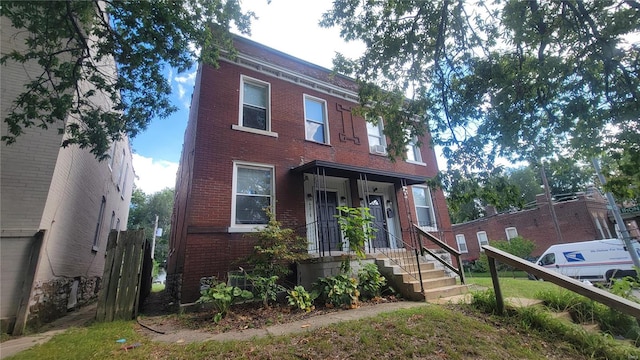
{"points": [[268, 129], [58, 206], [581, 217]]}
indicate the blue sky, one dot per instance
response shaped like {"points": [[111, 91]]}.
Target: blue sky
{"points": [[286, 25]]}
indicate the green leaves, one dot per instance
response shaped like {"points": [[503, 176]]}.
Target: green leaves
{"points": [[101, 64]]}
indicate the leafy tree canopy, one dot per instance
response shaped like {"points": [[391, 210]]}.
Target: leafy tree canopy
{"points": [[517, 79], [76, 44], [142, 215]]}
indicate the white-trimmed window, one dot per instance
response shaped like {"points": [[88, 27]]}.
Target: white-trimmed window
{"points": [[255, 100], [112, 155], [462, 243], [424, 207], [124, 181], [315, 120], [511, 232], [96, 236], [253, 191], [482, 239], [413, 151], [123, 156], [377, 140]]}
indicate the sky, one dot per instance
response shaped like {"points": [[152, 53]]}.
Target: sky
{"points": [[290, 26]]}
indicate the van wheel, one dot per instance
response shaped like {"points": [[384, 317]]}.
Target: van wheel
{"points": [[609, 275]]}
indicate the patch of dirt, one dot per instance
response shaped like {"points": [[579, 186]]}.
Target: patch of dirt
{"points": [[160, 313]]}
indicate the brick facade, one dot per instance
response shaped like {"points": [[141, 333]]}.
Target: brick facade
{"points": [[204, 241], [583, 217]]}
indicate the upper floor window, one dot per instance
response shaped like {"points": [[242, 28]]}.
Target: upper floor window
{"points": [[424, 208], [413, 151], [377, 140], [482, 239], [315, 117], [253, 192], [462, 243], [511, 232], [255, 100]]}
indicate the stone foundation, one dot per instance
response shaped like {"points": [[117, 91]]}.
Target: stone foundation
{"points": [[173, 286], [52, 299]]}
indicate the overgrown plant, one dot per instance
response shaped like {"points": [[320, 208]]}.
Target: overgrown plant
{"points": [[300, 298], [276, 249], [222, 297], [266, 288], [370, 281], [356, 225], [338, 291]]}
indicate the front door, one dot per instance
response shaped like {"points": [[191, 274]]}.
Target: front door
{"points": [[376, 208], [329, 231]]}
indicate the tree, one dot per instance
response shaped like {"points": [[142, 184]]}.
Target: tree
{"points": [[142, 215], [518, 79], [76, 44]]}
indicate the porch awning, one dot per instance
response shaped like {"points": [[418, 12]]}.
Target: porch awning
{"points": [[350, 171]]}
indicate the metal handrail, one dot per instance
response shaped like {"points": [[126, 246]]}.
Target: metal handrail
{"points": [[459, 271], [592, 292], [406, 252]]}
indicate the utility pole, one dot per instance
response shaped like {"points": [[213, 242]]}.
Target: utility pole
{"points": [[626, 238], [552, 211], [153, 239]]}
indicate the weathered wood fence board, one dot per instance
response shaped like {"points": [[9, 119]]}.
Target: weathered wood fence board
{"points": [[118, 299]]}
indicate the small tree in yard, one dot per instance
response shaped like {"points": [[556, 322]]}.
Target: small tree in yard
{"points": [[275, 249], [517, 246], [356, 225]]}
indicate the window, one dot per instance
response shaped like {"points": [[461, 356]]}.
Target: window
{"points": [[511, 233], [548, 259], [377, 141], [462, 243], [482, 239], [424, 209], [112, 155], [253, 192], [315, 117], [124, 181], [255, 99], [112, 224], [122, 161], [96, 236], [413, 151]]}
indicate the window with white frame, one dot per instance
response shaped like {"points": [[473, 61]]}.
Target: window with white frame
{"points": [[511, 232], [122, 163], [315, 118], [255, 100], [413, 151], [253, 192], [96, 236], [377, 140], [482, 239], [462, 243], [424, 207]]}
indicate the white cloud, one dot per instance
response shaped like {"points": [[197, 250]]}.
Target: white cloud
{"points": [[189, 78], [154, 175], [181, 91]]}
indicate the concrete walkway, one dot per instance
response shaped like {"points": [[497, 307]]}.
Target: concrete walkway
{"points": [[189, 336], [77, 318]]}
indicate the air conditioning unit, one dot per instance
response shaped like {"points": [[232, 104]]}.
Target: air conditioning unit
{"points": [[378, 149]]}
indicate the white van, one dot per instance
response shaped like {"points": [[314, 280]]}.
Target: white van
{"points": [[597, 260]]}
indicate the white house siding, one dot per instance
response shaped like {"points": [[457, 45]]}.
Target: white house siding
{"points": [[57, 190]]}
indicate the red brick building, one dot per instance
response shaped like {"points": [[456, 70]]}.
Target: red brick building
{"points": [[582, 217], [268, 129]]}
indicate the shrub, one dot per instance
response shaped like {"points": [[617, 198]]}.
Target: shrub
{"points": [[275, 249], [370, 281], [265, 288], [300, 298], [338, 291], [356, 225], [222, 297], [485, 301]]}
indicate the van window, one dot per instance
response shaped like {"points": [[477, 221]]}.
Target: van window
{"points": [[548, 259]]}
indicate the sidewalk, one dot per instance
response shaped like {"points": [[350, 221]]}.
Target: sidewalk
{"points": [[76, 318]]}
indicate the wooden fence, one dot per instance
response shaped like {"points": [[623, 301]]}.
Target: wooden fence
{"points": [[120, 295]]}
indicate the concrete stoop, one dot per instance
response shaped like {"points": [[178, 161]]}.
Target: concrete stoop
{"points": [[436, 283], [566, 317]]}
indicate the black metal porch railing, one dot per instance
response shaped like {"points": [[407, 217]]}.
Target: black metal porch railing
{"points": [[458, 270]]}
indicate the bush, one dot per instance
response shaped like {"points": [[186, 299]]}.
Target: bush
{"points": [[275, 249], [300, 298], [265, 288], [338, 291], [370, 281], [222, 297]]}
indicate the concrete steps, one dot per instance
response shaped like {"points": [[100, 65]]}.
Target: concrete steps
{"points": [[401, 271]]}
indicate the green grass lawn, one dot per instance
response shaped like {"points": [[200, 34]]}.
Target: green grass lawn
{"points": [[157, 287], [518, 286]]}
